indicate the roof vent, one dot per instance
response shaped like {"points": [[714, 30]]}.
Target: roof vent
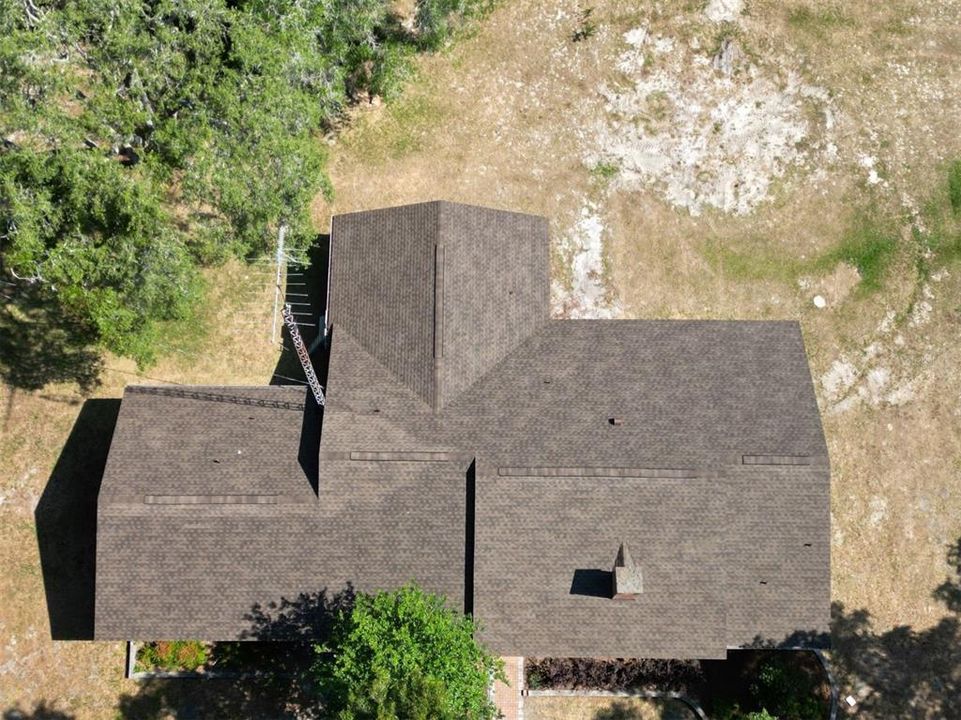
{"points": [[616, 421], [626, 576]]}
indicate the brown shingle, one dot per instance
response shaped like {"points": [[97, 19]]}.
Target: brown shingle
{"points": [[715, 473]]}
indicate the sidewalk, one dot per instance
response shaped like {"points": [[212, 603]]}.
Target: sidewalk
{"points": [[508, 699]]}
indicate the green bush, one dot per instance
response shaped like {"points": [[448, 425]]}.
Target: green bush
{"points": [[437, 20], [171, 655], [404, 654], [785, 690]]}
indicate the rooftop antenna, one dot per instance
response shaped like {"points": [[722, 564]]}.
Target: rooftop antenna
{"points": [[303, 355]]}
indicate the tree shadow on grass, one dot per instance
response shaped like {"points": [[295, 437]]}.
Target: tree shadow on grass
{"points": [[41, 711], [619, 710], [902, 672], [40, 345], [66, 520], [237, 699]]}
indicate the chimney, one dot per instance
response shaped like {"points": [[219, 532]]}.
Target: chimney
{"points": [[626, 576]]}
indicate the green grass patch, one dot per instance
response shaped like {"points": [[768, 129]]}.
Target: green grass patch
{"points": [[818, 21], [954, 187], [869, 245], [939, 235], [605, 170], [400, 131], [758, 263]]}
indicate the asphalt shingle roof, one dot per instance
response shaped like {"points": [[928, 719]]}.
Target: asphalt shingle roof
{"points": [[469, 443]]}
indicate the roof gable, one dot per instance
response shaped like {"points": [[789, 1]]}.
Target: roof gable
{"points": [[438, 293]]}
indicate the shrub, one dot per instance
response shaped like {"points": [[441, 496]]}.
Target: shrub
{"points": [[404, 654], [614, 674], [437, 20], [172, 655], [586, 27], [143, 140], [786, 690]]}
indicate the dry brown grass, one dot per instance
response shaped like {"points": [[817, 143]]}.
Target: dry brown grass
{"points": [[604, 708]]}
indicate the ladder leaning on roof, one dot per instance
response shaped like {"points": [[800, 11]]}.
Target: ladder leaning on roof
{"points": [[303, 355]]}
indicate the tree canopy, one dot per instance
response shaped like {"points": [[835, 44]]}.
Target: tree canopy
{"points": [[404, 654], [141, 140]]}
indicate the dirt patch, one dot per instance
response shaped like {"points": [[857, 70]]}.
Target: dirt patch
{"points": [[724, 10], [585, 292]]}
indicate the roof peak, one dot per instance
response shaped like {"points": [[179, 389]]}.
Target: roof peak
{"points": [[439, 292]]}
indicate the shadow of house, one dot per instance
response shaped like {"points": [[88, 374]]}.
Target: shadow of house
{"points": [[306, 291], [308, 453], [66, 519], [279, 645]]}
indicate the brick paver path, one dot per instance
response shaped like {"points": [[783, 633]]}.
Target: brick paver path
{"points": [[508, 699]]}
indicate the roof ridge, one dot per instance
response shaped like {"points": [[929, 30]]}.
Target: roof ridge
{"points": [[391, 375], [438, 307]]}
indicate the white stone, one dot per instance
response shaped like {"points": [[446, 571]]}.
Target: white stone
{"points": [[724, 10], [697, 137], [820, 302]]}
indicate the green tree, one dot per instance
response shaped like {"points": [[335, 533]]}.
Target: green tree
{"points": [[144, 139], [404, 654]]}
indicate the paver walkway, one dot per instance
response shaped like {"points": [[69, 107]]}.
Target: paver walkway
{"points": [[508, 698]]}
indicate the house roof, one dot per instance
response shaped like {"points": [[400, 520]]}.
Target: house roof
{"points": [[505, 477], [438, 292], [198, 562], [715, 475]]}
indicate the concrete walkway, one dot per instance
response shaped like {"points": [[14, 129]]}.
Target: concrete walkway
{"points": [[508, 699]]}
